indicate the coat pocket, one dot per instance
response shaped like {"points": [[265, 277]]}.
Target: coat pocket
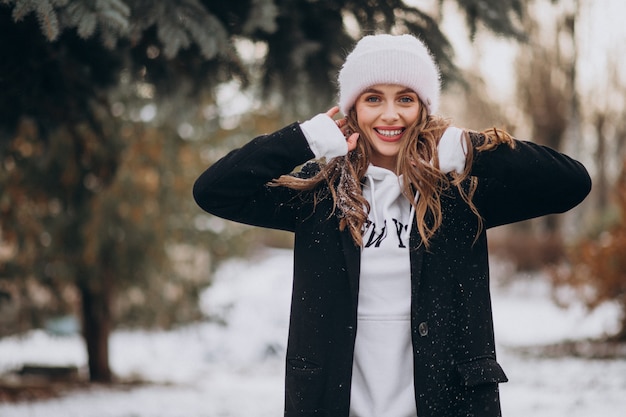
{"points": [[305, 388], [481, 371]]}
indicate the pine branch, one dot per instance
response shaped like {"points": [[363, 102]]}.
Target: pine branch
{"points": [[109, 17], [180, 23], [208, 33], [43, 9]]}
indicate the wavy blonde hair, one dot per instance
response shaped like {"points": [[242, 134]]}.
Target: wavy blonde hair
{"points": [[417, 161]]}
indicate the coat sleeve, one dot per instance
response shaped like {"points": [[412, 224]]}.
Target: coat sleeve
{"points": [[526, 181], [235, 187]]}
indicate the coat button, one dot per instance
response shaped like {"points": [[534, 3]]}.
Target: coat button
{"points": [[423, 328]]}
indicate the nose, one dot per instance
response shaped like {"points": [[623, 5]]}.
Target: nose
{"points": [[390, 113]]}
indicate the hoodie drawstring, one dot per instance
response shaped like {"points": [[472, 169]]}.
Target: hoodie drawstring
{"points": [[373, 204], [407, 232]]}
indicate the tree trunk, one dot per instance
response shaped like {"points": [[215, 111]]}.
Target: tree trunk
{"points": [[97, 323]]}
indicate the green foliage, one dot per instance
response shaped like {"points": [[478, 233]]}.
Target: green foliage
{"points": [[306, 41], [199, 27], [57, 16], [47, 186]]}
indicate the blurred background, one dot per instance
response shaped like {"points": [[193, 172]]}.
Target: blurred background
{"points": [[110, 109]]}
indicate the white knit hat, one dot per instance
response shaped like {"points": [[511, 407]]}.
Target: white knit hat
{"points": [[389, 59]]}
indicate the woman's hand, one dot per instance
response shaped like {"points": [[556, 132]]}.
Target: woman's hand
{"points": [[342, 124]]}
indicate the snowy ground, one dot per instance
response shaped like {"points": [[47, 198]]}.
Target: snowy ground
{"points": [[212, 370]]}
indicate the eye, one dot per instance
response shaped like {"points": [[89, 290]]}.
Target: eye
{"points": [[406, 99], [372, 99]]}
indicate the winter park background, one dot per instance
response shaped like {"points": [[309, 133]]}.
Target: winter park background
{"points": [[171, 97], [235, 369]]}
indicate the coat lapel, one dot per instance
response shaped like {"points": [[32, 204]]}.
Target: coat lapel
{"points": [[416, 249], [352, 254]]}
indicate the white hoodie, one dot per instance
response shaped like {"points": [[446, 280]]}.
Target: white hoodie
{"points": [[382, 378], [382, 375]]}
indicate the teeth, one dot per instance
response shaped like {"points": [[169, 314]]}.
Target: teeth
{"points": [[389, 133]]}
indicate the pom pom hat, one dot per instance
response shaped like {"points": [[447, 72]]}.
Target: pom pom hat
{"points": [[389, 59]]}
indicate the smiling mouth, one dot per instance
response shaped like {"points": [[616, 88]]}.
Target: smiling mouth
{"points": [[389, 133]]}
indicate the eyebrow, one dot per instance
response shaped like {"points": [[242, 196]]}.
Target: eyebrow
{"points": [[375, 91]]}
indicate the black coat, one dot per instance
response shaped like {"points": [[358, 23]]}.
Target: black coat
{"points": [[455, 368]]}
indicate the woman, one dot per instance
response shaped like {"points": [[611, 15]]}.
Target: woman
{"points": [[391, 312]]}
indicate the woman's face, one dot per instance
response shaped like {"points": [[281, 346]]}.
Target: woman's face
{"points": [[384, 112]]}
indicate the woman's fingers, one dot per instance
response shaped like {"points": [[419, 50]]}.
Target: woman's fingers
{"points": [[332, 111], [342, 124], [351, 140], [351, 137]]}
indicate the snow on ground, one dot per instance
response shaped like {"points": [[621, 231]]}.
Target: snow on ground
{"points": [[214, 370]]}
